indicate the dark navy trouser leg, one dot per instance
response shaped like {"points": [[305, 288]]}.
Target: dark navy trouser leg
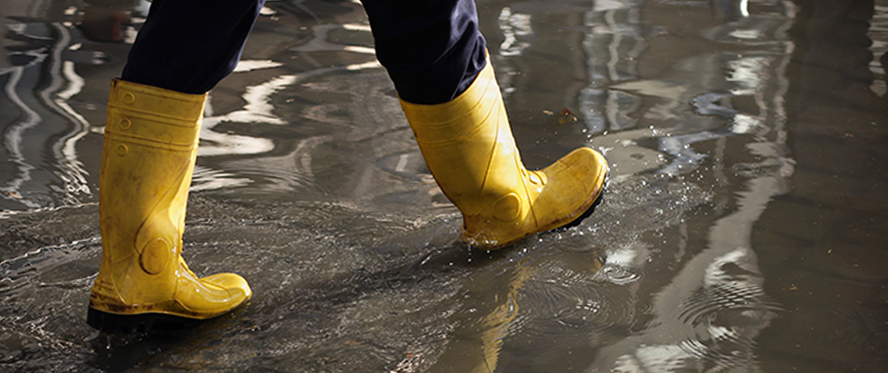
{"points": [[190, 45], [432, 49]]}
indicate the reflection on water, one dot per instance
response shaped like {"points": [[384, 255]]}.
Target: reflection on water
{"points": [[39, 122], [742, 230]]}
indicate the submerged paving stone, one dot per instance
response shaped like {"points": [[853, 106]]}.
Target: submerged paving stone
{"points": [[797, 218], [863, 194], [863, 261]]}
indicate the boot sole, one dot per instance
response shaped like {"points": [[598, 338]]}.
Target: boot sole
{"points": [[144, 322]]}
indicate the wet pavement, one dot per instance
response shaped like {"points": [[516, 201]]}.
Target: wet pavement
{"points": [[743, 228]]}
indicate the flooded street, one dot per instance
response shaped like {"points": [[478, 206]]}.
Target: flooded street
{"points": [[744, 227]]}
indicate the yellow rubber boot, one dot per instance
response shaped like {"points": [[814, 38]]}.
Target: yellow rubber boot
{"points": [[468, 146], [148, 156]]}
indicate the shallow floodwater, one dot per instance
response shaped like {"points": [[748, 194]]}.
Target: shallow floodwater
{"points": [[744, 228]]}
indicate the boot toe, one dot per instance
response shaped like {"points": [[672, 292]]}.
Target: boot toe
{"points": [[589, 167], [236, 285], [575, 183]]}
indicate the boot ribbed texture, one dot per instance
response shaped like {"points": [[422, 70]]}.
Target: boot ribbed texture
{"points": [[468, 146], [148, 157]]}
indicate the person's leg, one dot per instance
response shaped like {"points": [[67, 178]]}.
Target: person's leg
{"points": [[148, 155], [437, 60], [432, 50], [190, 45]]}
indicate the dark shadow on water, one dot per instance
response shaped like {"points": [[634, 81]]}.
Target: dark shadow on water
{"points": [[119, 352]]}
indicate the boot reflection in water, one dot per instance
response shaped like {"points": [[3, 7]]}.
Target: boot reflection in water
{"points": [[437, 60]]}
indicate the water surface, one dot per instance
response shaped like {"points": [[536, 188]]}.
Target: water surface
{"points": [[743, 228]]}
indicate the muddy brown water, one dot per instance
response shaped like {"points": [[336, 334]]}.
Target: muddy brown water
{"points": [[743, 228]]}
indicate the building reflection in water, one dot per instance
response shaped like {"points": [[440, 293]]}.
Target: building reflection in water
{"points": [[709, 315], [40, 164], [714, 307], [613, 44]]}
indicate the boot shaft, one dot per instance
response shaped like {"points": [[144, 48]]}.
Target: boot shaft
{"points": [[148, 155], [468, 145]]}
